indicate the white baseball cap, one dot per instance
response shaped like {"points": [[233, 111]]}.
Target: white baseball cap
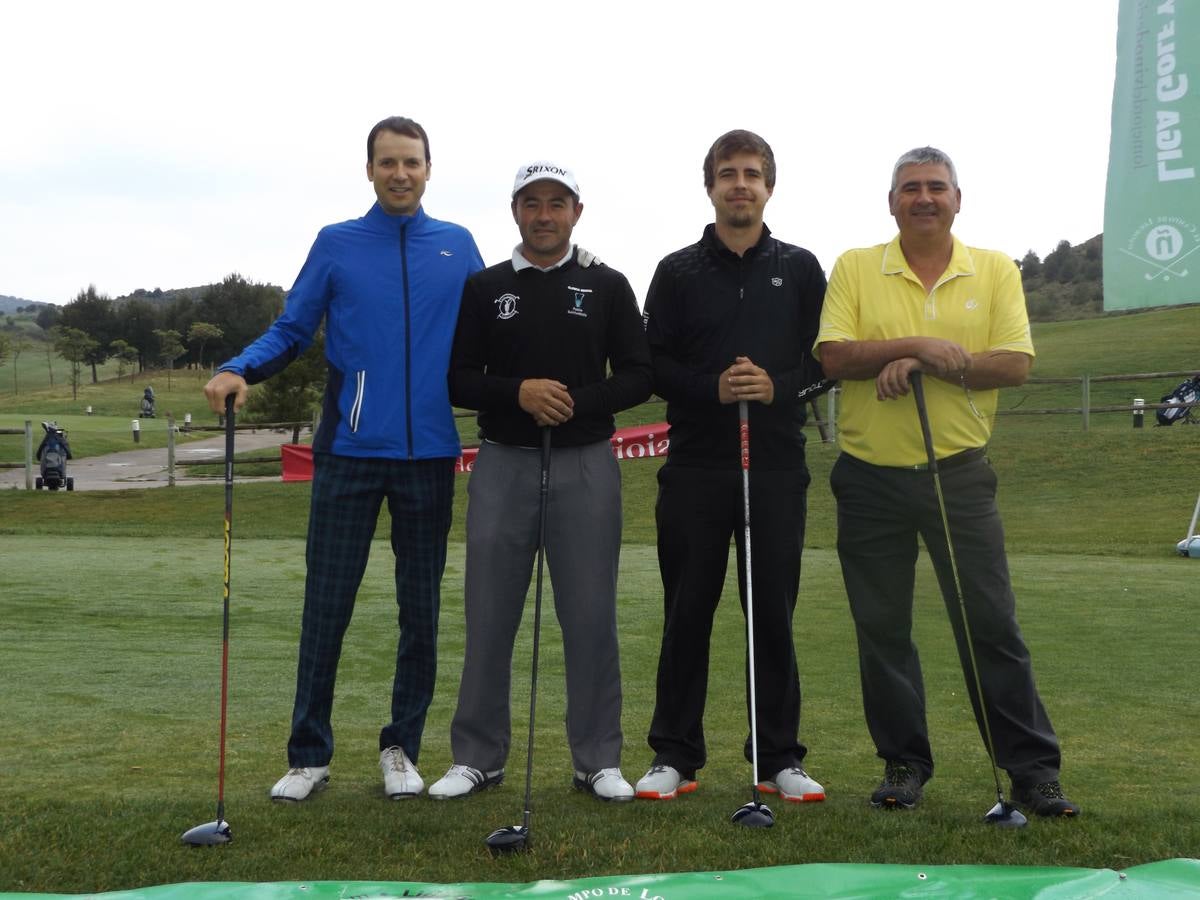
{"points": [[544, 170]]}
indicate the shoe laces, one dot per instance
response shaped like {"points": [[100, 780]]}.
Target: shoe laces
{"points": [[1051, 790], [396, 759], [895, 774]]}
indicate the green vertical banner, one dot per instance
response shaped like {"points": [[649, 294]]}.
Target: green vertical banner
{"points": [[1152, 205]]}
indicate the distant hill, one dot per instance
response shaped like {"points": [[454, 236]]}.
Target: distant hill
{"points": [[1067, 284], [12, 304], [157, 297]]}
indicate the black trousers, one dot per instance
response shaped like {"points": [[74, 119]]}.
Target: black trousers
{"points": [[698, 512], [881, 511]]}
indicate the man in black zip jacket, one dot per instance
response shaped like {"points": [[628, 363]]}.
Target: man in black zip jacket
{"points": [[537, 336], [731, 318]]}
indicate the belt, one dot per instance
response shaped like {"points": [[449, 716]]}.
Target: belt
{"points": [[952, 461]]}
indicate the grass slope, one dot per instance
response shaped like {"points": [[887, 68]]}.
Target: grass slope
{"points": [[112, 690]]}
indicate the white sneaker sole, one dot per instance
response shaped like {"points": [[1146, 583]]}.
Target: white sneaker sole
{"points": [[316, 788], [770, 787], [475, 789], [685, 787], [581, 785]]}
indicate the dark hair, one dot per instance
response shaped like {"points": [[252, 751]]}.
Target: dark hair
{"points": [[400, 125], [732, 143]]}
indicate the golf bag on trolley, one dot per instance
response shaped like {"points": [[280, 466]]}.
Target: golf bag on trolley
{"points": [[148, 403], [53, 453], [1189, 393]]}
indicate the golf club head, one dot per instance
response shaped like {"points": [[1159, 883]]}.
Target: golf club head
{"points": [[510, 839], [1005, 815], [753, 815], [209, 834]]}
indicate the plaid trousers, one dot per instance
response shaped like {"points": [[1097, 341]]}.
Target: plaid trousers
{"points": [[347, 494]]}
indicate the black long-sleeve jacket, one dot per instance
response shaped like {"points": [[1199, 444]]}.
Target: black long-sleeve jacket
{"points": [[570, 324], [707, 306]]}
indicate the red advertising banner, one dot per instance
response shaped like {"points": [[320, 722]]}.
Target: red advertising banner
{"points": [[627, 443]]}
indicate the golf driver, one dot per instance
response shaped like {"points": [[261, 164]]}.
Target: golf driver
{"points": [[517, 838], [754, 814], [212, 833], [1003, 814]]}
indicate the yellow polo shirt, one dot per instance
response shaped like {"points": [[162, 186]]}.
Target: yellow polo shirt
{"points": [[873, 295]]}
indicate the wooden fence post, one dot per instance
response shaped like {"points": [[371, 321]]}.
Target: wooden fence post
{"points": [[1087, 400]]}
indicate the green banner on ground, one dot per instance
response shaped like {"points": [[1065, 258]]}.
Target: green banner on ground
{"points": [[1170, 878], [1152, 205]]}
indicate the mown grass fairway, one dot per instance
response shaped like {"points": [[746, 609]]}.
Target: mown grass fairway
{"points": [[111, 607]]}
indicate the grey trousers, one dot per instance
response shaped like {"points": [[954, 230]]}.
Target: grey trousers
{"points": [[583, 544], [880, 513]]}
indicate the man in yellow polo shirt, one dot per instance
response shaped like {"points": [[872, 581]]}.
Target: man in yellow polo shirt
{"points": [[927, 303]]}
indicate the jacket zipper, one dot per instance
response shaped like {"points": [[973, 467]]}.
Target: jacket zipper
{"points": [[407, 341], [360, 378]]}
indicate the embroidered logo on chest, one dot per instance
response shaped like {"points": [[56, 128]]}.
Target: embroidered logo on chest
{"points": [[506, 306], [576, 307]]}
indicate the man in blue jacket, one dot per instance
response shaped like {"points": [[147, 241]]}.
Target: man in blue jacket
{"points": [[388, 287]]}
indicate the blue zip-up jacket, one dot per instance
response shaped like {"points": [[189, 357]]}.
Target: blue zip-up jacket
{"points": [[388, 288]]}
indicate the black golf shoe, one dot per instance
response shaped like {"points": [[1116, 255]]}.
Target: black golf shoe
{"points": [[901, 787], [1045, 799]]}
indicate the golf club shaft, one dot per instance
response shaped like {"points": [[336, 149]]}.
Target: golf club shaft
{"points": [[1192, 525], [543, 503], [919, 396], [229, 441], [744, 434]]}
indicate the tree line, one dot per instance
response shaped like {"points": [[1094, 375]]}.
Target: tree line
{"points": [[1067, 284], [189, 327], [166, 329]]}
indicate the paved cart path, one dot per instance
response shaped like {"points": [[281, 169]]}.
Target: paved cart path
{"points": [[148, 468]]}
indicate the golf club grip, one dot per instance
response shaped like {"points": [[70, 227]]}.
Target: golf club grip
{"points": [[229, 434], [918, 387], [814, 390]]}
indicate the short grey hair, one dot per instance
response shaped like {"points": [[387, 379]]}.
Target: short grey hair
{"points": [[924, 156]]}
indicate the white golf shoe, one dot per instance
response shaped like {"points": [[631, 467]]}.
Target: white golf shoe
{"points": [[459, 781], [401, 780], [793, 784], [299, 783], [664, 783], [605, 784]]}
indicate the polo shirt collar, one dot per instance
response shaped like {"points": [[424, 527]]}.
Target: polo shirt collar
{"points": [[961, 262], [519, 262], [709, 238]]}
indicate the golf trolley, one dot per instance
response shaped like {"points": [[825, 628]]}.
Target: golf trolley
{"points": [[52, 454], [147, 403]]}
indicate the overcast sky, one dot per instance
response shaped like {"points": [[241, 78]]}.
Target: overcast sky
{"points": [[162, 144]]}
